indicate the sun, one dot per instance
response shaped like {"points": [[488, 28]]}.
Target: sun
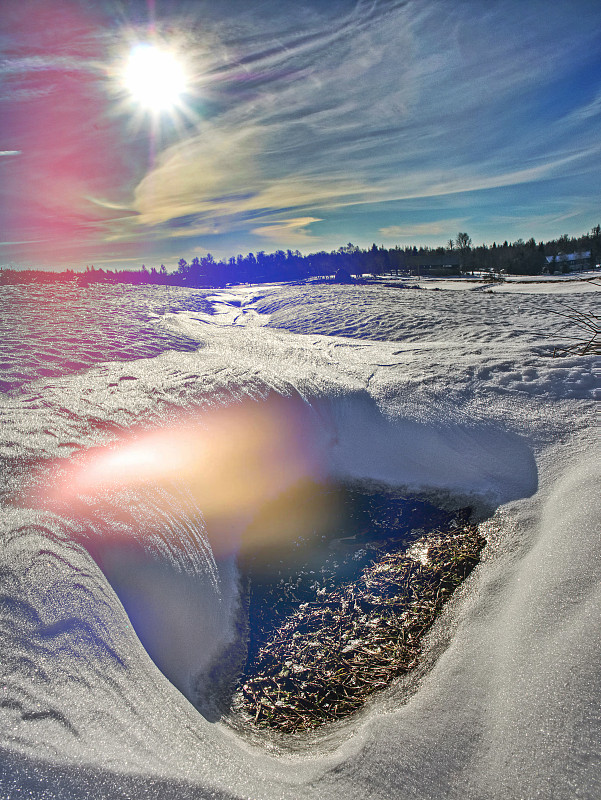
{"points": [[155, 78]]}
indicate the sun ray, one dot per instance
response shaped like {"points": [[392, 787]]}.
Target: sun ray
{"points": [[154, 80]]}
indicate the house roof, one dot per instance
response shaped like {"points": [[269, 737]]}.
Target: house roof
{"points": [[562, 257]]}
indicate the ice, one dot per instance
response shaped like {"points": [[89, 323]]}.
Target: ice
{"points": [[448, 391]]}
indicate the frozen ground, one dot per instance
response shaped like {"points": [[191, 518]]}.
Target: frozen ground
{"points": [[572, 283], [445, 391]]}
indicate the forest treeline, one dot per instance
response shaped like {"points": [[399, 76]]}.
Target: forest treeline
{"points": [[457, 257]]}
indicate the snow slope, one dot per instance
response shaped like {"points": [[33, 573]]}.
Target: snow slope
{"points": [[443, 391]]}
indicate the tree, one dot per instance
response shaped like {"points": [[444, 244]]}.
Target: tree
{"points": [[595, 244], [463, 242]]}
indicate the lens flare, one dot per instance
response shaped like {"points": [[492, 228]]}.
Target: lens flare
{"points": [[232, 463]]}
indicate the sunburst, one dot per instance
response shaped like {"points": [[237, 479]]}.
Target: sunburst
{"points": [[155, 81], [155, 78]]}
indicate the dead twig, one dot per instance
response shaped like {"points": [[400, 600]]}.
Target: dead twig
{"points": [[329, 656], [587, 344]]}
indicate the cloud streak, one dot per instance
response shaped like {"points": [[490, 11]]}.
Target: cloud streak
{"points": [[294, 231], [421, 230]]}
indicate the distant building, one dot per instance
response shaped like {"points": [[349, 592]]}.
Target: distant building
{"points": [[569, 262], [428, 262]]}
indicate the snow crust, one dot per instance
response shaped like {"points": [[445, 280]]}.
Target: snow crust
{"points": [[444, 391]]}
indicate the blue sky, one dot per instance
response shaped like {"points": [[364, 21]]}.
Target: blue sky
{"points": [[304, 125]]}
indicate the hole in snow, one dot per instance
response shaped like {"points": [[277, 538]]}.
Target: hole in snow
{"points": [[340, 610]]}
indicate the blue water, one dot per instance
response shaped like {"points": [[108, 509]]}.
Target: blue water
{"points": [[354, 526]]}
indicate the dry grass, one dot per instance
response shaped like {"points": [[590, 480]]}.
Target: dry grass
{"points": [[586, 343], [326, 658]]}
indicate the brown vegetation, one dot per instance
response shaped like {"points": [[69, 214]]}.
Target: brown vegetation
{"points": [[586, 343], [325, 659]]}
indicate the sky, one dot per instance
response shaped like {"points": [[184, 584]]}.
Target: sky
{"points": [[295, 125]]}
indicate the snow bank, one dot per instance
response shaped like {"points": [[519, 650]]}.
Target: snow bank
{"points": [[455, 394]]}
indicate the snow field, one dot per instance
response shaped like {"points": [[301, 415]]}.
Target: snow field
{"points": [[451, 392]]}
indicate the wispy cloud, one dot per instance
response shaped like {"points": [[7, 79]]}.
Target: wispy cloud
{"points": [[44, 63], [102, 203], [25, 241], [420, 230], [428, 184], [10, 152], [294, 231], [221, 178]]}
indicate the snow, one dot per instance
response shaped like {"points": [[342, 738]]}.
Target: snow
{"points": [[444, 391], [571, 283]]}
